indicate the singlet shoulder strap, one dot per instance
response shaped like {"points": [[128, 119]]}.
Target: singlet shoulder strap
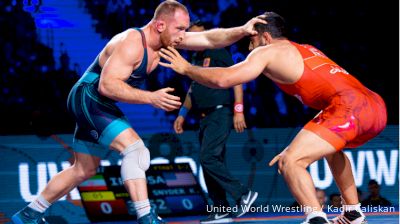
{"points": [[304, 49], [142, 69], [143, 37]]}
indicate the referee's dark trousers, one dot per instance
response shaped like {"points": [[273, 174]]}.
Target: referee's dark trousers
{"points": [[215, 128]]}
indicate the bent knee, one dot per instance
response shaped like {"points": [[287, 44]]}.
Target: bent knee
{"points": [[84, 173], [289, 161], [135, 161], [144, 159]]}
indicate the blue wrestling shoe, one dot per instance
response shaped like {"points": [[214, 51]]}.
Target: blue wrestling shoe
{"points": [[28, 216], [151, 218]]}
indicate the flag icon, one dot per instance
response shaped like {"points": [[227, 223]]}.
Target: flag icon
{"points": [[174, 179], [96, 183]]}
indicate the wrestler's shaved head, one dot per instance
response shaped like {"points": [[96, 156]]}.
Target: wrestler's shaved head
{"points": [[168, 8]]}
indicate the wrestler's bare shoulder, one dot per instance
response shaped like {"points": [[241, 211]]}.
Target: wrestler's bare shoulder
{"points": [[125, 41]]}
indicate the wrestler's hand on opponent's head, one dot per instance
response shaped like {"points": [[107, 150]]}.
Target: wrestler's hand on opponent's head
{"points": [[177, 62], [249, 26]]}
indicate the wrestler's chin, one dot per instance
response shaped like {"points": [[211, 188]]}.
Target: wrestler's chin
{"points": [[174, 44]]}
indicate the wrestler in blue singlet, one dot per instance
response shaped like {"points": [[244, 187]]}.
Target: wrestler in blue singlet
{"points": [[98, 119]]}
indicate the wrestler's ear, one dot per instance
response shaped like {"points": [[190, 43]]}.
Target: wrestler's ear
{"points": [[161, 25], [267, 37]]}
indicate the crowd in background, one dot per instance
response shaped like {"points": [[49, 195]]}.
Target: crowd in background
{"points": [[372, 198], [34, 91]]}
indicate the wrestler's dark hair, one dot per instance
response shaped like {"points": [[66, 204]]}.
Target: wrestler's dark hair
{"points": [[275, 25], [168, 8]]}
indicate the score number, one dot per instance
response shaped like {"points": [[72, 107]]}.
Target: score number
{"points": [[179, 204], [106, 208], [185, 203]]}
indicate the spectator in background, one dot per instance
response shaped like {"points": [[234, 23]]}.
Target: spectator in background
{"points": [[374, 198], [335, 200], [33, 93], [321, 197], [360, 194]]}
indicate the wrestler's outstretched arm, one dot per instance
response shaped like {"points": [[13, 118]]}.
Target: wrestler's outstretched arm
{"points": [[218, 77], [219, 37]]}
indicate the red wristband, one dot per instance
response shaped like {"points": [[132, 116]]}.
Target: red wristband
{"points": [[238, 108]]}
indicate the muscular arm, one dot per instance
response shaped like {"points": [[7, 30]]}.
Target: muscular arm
{"points": [[219, 37], [117, 70], [219, 77], [212, 39]]}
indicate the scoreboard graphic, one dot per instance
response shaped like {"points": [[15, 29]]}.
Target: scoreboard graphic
{"points": [[172, 188]]}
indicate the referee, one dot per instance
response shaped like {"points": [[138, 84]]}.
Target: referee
{"points": [[218, 111]]}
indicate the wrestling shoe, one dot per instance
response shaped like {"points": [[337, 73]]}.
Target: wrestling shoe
{"points": [[151, 218], [316, 220], [350, 217], [217, 218], [28, 216]]}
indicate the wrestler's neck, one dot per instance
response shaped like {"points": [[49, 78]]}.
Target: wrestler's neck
{"points": [[153, 39], [276, 40]]}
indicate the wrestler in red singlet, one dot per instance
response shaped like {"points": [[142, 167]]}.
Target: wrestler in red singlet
{"points": [[351, 113]]}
